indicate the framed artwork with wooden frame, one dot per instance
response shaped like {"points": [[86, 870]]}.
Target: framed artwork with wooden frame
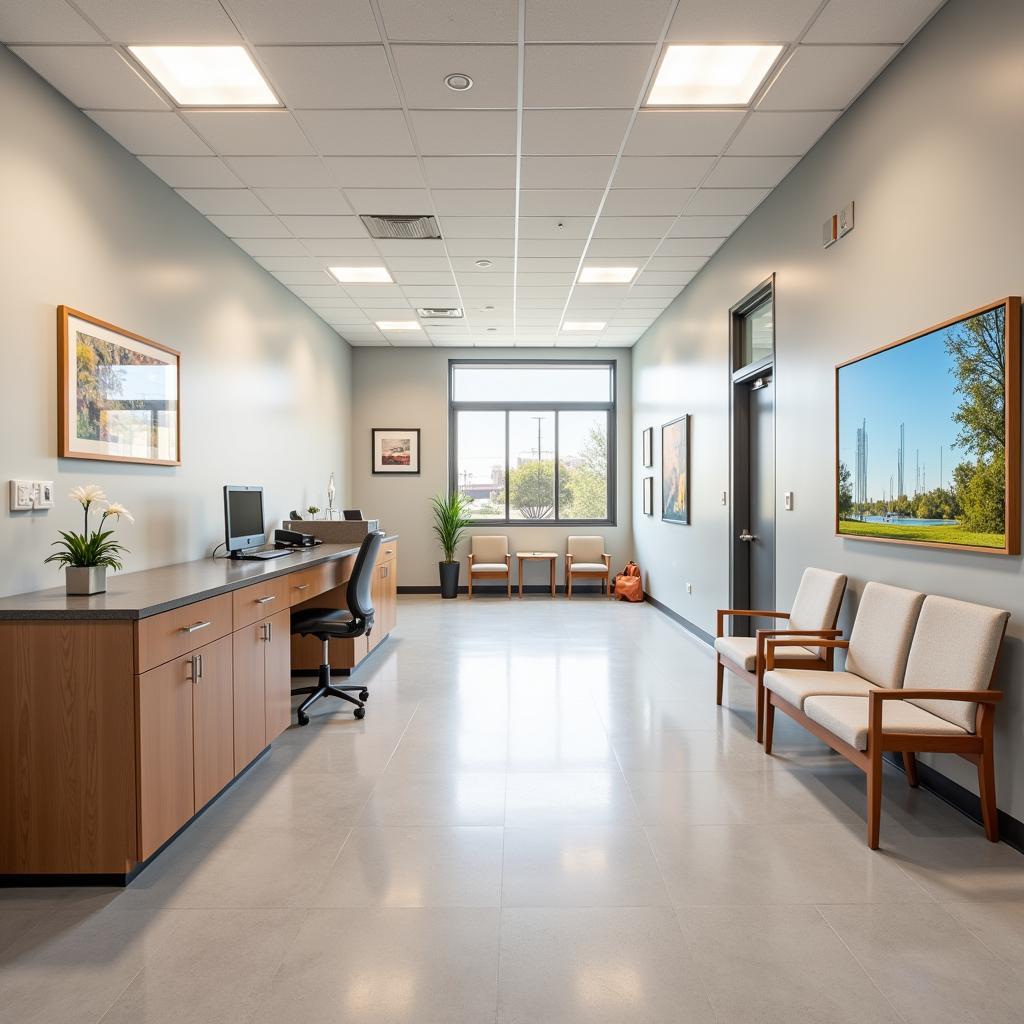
{"points": [[928, 436], [395, 451], [648, 447], [118, 393], [675, 471]]}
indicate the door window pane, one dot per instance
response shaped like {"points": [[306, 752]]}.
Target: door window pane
{"points": [[583, 465], [531, 465], [757, 334], [481, 462]]}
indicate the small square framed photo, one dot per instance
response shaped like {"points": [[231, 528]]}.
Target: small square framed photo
{"points": [[648, 495], [648, 452], [395, 451]]}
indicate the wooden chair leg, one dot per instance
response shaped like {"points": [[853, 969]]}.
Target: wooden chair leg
{"points": [[769, 723], [568, 590], [910, 767], [759, 710], [987, 791], [720, 672], [874, 777], [510, 585], [471, 584]]}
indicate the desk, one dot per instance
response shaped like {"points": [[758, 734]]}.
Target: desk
{"points": [[537, 556], [122, 715]]}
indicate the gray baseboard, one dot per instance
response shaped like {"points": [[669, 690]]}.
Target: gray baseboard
{"points": [[699, 633], [530, 588]]}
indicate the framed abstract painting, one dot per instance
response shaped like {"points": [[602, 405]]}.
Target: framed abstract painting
{"points": [[675, 471]]}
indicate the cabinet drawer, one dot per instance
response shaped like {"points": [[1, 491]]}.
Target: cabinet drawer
{"points": [[388, 551], [260, 600], [318, 579], [171, 634]]}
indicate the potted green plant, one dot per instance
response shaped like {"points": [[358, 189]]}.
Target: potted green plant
{"points": [[450, 521], [313, 510], [86, 556]]}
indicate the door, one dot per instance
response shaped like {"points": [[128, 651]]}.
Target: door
{"points": [[278, 675], [250, 716], [213, 725], [761, 496]]}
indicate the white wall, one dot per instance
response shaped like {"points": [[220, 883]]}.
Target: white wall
{"points": [[408, 387], [932, 154], [265, 383]]}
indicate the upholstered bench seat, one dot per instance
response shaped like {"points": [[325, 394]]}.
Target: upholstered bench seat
{"points": [[742, 651], [847, 718], [490, 567], [588, 567], [795, 685]]}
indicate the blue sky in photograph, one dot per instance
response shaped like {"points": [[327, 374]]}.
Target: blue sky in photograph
{"points": [[910, 384]]}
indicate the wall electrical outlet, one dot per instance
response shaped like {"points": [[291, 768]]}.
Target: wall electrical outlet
{"points": [[22, 495], [725, 497], [689, 588], [787, 500]]}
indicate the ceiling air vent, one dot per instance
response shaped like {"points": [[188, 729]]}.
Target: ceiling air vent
{"points": [[439, 312], [384, 225]]}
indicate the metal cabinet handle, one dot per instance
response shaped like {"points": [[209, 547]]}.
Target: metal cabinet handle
{"points": [[267, 599], [199, 662], [270, 632], [302, 586], [195, 627], [193, 664]]}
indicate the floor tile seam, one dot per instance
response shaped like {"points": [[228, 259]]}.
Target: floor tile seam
{"points": [[1014, 966], [306, 913]]}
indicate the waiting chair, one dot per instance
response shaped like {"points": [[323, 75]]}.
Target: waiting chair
{"points": [[489, 558], [328, 624], [586, 558], [941, 703], [815, 612]]}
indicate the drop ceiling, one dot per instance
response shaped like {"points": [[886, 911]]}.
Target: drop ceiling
{"points": [[549, 164]]}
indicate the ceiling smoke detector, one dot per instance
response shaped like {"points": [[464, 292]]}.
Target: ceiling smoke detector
{"points": [[483, 264], [439, 312], [458, 82], [386, 225]]}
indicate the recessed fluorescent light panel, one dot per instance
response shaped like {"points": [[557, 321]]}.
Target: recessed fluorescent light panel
{"points": [[607, 275], [361, 275], [584, 325], [398, 325], [710, 76], [207, 76]]}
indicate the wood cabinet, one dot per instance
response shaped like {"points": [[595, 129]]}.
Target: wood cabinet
{"points": [[213, 726], [256, 602], [171, 634], [278, 675]]}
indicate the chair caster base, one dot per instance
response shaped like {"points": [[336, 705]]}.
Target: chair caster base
{"points": [[303, 719], [364, 694], [359, 712]]}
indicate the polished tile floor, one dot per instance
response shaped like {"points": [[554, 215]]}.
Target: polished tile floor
{"points": [[543, 819]]}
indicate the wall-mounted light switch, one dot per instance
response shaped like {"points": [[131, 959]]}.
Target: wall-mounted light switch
{"points": [[21, 496], [725, 497], [689, 588], [846, 219], [787, 500], [43, 494]]}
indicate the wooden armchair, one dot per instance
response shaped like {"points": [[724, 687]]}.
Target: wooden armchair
{"points": [[586, 558], [815, 613], [489, 558]]}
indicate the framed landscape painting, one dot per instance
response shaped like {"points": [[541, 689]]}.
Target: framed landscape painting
{"points": [[396, 450], [928, 436], [675, 471], [119, 394]]}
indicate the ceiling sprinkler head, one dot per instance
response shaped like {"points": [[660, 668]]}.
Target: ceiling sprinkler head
{"points": [[483, 264], [458, 82]]}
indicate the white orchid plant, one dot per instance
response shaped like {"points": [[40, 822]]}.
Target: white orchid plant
{"points": [[92, 547]]}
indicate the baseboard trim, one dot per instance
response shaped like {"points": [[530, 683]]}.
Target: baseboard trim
{"points": [[530, 588], [699, 633]]}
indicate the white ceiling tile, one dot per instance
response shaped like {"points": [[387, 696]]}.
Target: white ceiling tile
{"points": [[191, 171], [585, 76], [486, 280], [271, 246], [320, 226], [661, 171], [541, 304], [586, 21], [870, 21], [340, 302], [398, 201], [416, 278], [560, 280], [283, 263], [645, 202], [223, 200], [726, 200], [307, 21], [250, 226], [339, 251], [251, 132], [44, 21], [431, 295], [562, 202], [156, 21], [550, 246], [92, 77], [380, 294], [483, 202], [357, 132], [547, 264], [781, 133], [555, 227], [409, 247], [464, 132], [668, 291], [330, 76], [291, 277], [697, 226], [151, 132], [344, 317], [682, 132], [421, 263], [740, 21], [477, 227], [571, 132], [677, 278], [375, 171], [448, 21], [470, 171], [565, 171], [750, 171], [422, 70], [298, 201], [281, 171], [632, 227], [622, 248], [825, 77], [674, 263], [673, 248]]}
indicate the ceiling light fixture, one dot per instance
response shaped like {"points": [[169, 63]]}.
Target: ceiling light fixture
{"points": [[483, 264], [207, 76], [398, 325], [607, 275], [701, 76], [458, 82], [361, 275], [584, 325]]}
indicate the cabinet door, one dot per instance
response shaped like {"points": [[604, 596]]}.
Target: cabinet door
{"points": [[278, 678], [392, 594], [213, 723], [166, 784], [249, 654], [378, 596]]}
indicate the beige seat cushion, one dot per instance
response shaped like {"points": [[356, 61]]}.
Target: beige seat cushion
{"points": [[489, 548], [742, 650], [847, 718], [955, 648], [588, 567], [880, 641], [816, 605], [490, 567], [794, 686], [586, 549]]}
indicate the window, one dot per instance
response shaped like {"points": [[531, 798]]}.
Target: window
{"points": [[533, 443]]}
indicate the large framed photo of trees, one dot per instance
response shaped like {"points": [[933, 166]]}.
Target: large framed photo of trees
{"points": [[928, 436]]}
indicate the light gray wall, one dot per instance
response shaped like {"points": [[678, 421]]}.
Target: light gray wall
{"points": [[265, 383], [408, 387], [932, 154]]}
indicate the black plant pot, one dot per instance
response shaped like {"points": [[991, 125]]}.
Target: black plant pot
{"points": [[449, 578]]}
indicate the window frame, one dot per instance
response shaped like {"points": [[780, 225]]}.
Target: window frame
{"points": [[609, 408]]}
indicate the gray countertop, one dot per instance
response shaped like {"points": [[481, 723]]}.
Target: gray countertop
{"points": [[137, 595]]}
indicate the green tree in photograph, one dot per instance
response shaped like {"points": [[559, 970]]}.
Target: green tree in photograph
{"points": [[532, 489], [845, 491], [583, 487], [981, 490]]}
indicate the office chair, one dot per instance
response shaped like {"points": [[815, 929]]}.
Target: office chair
{"points": [[328, 624]]}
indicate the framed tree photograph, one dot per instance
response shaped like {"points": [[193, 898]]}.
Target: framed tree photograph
{"points": [[648, 447], [119, 394], [648, 495], [395, 450], [928, 436], [675, 471]]}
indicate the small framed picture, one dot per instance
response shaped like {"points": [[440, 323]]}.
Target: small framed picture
{"points": [[648, 495], [396, 450], [648, 436]]}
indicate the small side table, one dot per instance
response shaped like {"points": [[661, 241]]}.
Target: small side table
{"points": [[537, 556]]}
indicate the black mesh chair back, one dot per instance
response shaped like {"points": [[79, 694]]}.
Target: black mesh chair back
{"points": [[359, 595]]}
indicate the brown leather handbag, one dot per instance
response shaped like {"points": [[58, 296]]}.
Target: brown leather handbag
{"points": [[628, 584]]}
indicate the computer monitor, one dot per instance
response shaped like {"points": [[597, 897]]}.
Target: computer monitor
{"points": [[243, 518]]}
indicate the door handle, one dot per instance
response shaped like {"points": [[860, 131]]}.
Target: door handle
{"points": [[746, 536], [267, 599], [195, 627]]}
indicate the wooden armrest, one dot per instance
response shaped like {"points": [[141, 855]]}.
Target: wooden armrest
{"points": [[764, 614], [973, 696], [470, 557], [819, 641]]}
